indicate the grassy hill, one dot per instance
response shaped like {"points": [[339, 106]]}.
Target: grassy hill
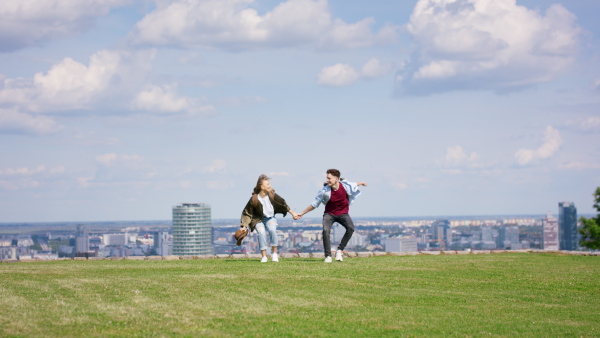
{"points": [[472, 295]]}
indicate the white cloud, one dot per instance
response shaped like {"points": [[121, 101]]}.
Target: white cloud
{"points": [[70, 85], [111, 159], [375, 68], [242, 101], [84, 182], [456, 157], [552, 142], [234, 25], [30, 22], [25, 177], [490, 45], [23, 171], [166, 100], [341, 75], [577, 165], [338, 75], [589, 124], [19, 184], [216, 166], [14, 122]]}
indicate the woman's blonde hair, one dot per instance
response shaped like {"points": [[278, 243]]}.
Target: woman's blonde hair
{"points": [[259, 183], [258, 188]]}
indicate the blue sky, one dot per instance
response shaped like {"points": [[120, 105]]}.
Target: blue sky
{"points": [[118, 110]]}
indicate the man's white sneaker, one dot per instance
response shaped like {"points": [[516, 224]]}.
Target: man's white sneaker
{"points": [[328, 259], [275, 257], [264, 259], [339, 256]]}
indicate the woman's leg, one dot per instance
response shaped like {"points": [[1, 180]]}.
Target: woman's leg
{"points": [[272, 229], [262, 238]]}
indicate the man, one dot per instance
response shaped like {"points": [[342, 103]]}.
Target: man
{"points": [[337, 196]]}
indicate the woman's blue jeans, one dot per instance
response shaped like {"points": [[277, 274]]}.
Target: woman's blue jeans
{"points": [[271, 225]]}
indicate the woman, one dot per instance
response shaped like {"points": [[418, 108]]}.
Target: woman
{"points": [[260, 213]]}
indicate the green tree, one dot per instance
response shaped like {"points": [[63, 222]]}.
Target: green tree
{"points": [[590, 229]]}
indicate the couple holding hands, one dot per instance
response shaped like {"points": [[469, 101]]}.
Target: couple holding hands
{"points": [[337, 195]]}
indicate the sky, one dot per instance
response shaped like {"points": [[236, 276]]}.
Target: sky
{"points": [[121, 109]]}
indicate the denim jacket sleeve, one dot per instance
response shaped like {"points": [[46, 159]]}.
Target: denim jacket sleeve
{"points": [[321, 198], [352, 190]]}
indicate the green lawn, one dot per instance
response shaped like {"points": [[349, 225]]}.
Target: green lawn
{"points": [[465, 295]]}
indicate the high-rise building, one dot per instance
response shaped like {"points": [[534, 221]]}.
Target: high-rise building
{"points": [[550, 232], [82, 240], [501, 239], [162, 244], [192, 231], [338, 233], [567, 226], [512, 236], [441, 234]]}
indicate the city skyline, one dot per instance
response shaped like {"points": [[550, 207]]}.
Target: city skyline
{"points": [[118, 110]]}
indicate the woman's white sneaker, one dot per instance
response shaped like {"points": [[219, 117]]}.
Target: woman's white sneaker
{"points": [[339, 256], [275, 258], [264, 259], [328, 259]]}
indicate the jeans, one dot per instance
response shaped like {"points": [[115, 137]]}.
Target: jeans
{"points": [[271, 224], [345, 221]]}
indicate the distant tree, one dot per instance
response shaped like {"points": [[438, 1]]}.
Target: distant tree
{"points": [[590, 229]]}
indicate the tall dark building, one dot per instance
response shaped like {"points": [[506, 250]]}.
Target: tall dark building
{"points": [[567, 226], [441, 234]]}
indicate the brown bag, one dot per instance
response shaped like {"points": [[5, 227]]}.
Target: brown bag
{"points": [[240, 235]]}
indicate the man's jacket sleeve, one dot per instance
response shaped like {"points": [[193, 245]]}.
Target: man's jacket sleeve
{"points": [[352, 190], [319, 199]]}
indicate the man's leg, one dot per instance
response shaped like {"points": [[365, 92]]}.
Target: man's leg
{"points": [[327, 223], [347, 223]]}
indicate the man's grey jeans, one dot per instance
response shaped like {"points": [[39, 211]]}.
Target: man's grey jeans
{"points": [[328, 221]]}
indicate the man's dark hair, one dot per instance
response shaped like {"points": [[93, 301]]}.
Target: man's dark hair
{"points": [[334, 172]]}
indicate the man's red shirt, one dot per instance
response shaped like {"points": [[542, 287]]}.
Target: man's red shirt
{"points": [[338, 203]]}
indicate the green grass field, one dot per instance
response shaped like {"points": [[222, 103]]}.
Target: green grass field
{"points": [[465, 295]]}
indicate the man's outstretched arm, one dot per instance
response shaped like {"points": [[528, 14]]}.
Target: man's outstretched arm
{"points": [[308, 209]]}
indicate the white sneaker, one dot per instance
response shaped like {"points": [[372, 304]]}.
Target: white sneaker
{"points": [[328, 259], [339, 256], [275, 257], [264, 259]]}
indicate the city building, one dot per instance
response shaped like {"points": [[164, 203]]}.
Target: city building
{"points": [[400, 244], [441, 234], [550, 233], [338, 233], [114, 239], [82, 240], [512, 237], [162, 245], [567, 226], [192, 231]]}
